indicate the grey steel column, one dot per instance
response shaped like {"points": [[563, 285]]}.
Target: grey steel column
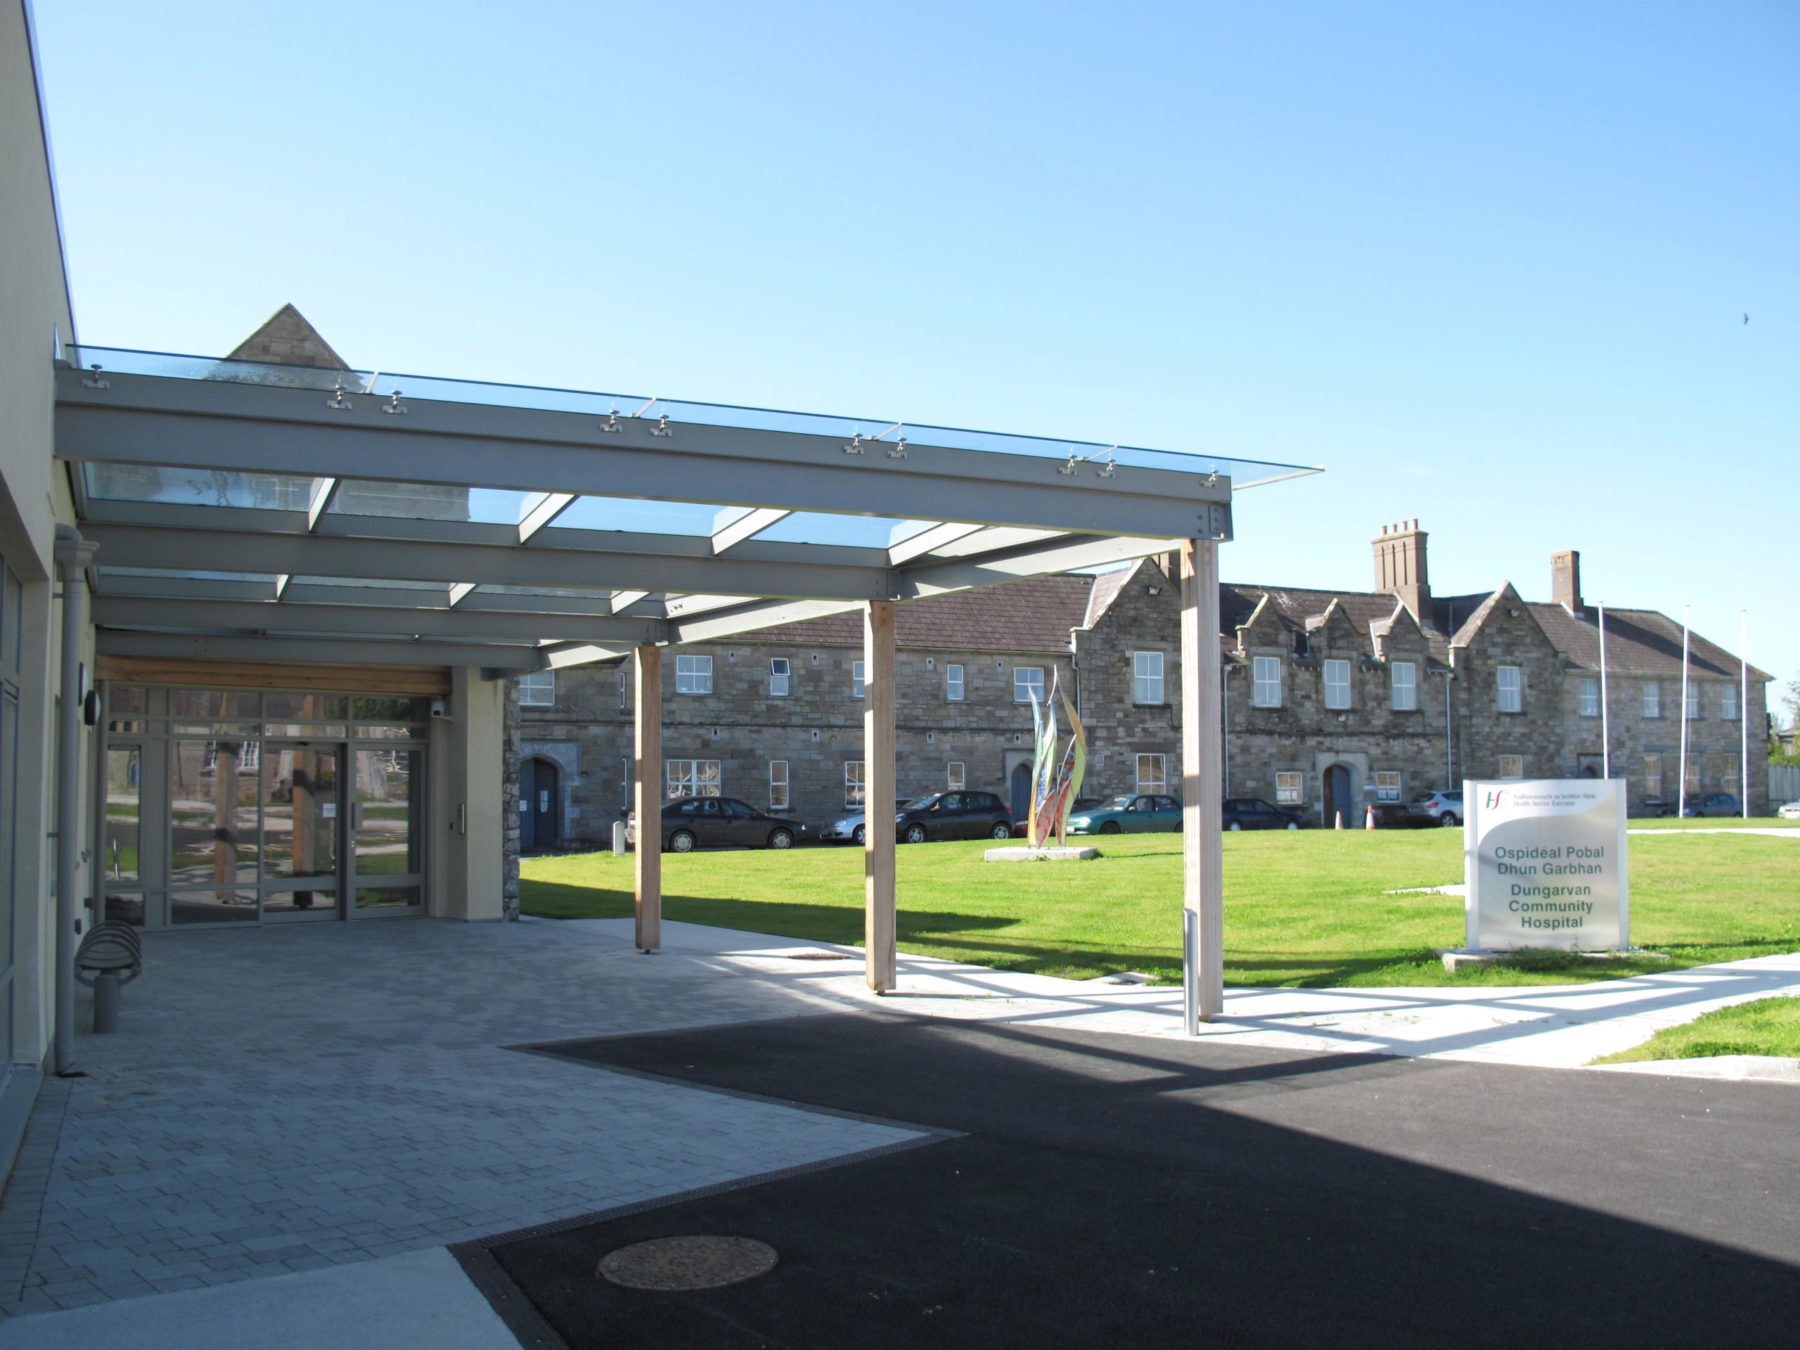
{"points": [[1202, 766], [646, 713], [879, 918]]}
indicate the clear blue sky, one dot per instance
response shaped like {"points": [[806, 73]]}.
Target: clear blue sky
{"points": [[1486, 263]]}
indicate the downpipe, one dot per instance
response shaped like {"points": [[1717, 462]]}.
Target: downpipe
{"points": [[73, 554]]}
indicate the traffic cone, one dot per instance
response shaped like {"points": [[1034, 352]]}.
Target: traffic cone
{"points": [[1369, 819], [1340, 820]]}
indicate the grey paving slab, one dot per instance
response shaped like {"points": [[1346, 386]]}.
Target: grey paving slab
{"points": [[277, 1100], [418, 1300]]}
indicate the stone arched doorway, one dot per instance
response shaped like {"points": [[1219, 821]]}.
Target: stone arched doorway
{"points": [[1336, 798], [1019, 790], [540, 790]]}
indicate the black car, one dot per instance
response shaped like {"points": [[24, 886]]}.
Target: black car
{"points": [[690, 822], [1253, 813], [954, 815]]}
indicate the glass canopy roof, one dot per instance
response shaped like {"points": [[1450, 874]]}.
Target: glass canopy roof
{"points": [[376, 511]]}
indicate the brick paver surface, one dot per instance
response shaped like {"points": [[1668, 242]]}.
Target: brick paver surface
{"points": [[287, 1098]]}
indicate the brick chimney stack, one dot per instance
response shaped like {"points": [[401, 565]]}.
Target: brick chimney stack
{"points": [[1400, 566], [1565, 580]]}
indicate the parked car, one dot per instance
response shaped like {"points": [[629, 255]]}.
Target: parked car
{"points": [[1436, 808], [694, 822], [1714, 804], [1129, 813], [1789, 812], [1253, 813], [937, 815]]}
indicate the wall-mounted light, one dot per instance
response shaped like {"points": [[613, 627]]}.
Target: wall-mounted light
{"points": [[1153, 590]]}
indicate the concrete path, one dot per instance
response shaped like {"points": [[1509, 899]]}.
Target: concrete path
{"points": [[293, 1123]]}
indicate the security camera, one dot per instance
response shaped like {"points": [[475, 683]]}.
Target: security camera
{"points": [[438, 709]]}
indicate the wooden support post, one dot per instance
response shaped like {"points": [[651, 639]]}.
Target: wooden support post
{"points": [[1202, 767], [879, 774], [646, 791]]}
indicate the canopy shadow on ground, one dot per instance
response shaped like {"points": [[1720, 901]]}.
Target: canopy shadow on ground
{"points": [[1109, 1187]]}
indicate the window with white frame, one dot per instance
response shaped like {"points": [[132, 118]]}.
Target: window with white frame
{"points": [[953, 682], [857, 685], [1265, 687], [1693, 775], [1509, 692], [1152, 773], [1512, 766], [538, 689], [1290, 789], [855, 785], [1590, 698], [1147, 677], [1653, 776], [693, 674], [691, 777], [1652, 699], [955, 778], [1693, 701], [778, 785], [1387, 785], [1028, 680], [1728, 702], [1728, 776], [1403, 683], [1337, 684], [780, 675]]}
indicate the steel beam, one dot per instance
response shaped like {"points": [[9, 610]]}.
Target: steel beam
{"points": [[749, 618], [1064, 554], [222, 424], [291, 616], [307, 649], [420, 560]]}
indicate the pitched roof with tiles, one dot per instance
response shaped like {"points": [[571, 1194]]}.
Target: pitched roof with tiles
{"points": [[1638, 642]]}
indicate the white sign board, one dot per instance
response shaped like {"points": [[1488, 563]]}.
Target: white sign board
{"points": [[1544, 860]]}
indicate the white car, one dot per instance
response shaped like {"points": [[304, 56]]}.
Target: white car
{"points": [[1789, 812]]}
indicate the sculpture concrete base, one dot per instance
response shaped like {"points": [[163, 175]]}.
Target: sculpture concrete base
{"points": [[1040, 854]]}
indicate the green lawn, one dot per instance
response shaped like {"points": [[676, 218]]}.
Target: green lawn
{"points": [[1305, 910], [1769, 1026]]}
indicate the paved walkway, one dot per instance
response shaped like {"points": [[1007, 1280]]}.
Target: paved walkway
{"points": [[332, 1105]]}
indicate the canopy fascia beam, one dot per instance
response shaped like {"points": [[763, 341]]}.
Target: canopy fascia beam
{"points": [[422, 560], [287, 617], [308, 650], [142, 419]]}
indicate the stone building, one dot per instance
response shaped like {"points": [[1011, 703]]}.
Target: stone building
{"points": [[1334, 700]]}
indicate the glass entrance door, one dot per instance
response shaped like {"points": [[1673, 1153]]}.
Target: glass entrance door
{"points": [[302, 829], [387, 829]]}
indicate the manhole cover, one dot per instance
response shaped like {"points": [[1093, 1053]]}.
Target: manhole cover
{"points": [[688, 1262]]}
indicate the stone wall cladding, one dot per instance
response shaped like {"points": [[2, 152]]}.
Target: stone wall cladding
{"points": [[817, 726]]}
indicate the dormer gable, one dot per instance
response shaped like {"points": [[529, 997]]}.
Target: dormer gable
{"points": [[1501, 611], [1336, 632], [1266, 627], [1400, 634]]}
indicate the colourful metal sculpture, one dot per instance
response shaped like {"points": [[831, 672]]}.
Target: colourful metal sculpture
{"points": [[1055, 780]]}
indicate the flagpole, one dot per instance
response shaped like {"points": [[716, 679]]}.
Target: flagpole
{"points": [[1605, 721], [1744, 709], [1681, 807]]}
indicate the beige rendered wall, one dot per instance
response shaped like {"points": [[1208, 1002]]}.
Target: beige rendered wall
{"points": [[34, 313], [468, 765]]}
